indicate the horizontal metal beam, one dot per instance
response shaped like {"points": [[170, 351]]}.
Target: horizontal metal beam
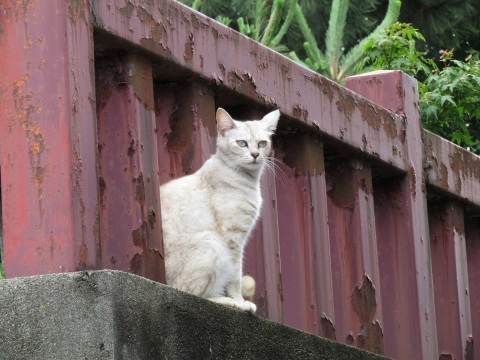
{"points": [[452, 169], [179, 36]]}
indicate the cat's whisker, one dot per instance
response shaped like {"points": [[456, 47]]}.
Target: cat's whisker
{"points": [[276, 170]]}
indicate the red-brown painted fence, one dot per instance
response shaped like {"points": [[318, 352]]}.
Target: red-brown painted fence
{"points": [[369, 234]]}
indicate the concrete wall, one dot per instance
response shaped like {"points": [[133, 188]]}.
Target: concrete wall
{"points": [[116, 315]]}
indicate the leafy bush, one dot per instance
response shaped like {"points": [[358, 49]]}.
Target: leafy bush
{"points": [[450, 98], [449, 94]]}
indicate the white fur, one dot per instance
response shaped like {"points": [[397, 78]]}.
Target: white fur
{"points": [[207, 217]]}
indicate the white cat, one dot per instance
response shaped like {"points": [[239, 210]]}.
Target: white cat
{"points": [[207, 217]]}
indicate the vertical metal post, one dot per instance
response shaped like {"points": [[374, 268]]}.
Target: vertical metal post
{"points": [[354, 255], [303, 233], [186, 128], [449, 265], [128, 167], [48, 132], [262, 255], [472, 234], [397, 92]]}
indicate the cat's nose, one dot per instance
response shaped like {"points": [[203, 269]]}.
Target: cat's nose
{"points": [[254, 154]]}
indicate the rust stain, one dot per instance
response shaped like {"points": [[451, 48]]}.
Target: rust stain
{"points": [[102, 185], [443, 178], [39, 173], [389, 125], [458, 220], [137, 263], [132, 148], [378, 118], [25, 112], [127, 10], [22, 7], [152, 218], [300, 112], [182, 126], [152, 257], [412, 179], [469, 353], [83, 263], [243, 83], [327, 86], [340, 183], [302, 151], [139, 72], [156, 40], [28, 44], [140, 190], [446, 357], [327, 328], [457, 166], [364, 304], [347, 104], [189, 46], [76, 10], [350, 339], [140, 236]]}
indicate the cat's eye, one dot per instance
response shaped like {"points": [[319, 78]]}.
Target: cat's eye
{"points": [[242, 143], [262, 144]]}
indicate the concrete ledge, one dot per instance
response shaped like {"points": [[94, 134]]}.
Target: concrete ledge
{"points": [[116, 315]]}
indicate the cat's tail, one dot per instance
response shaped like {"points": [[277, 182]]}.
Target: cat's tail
{"points": [[248, 287]]}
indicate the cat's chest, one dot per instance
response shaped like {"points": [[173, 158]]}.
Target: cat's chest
{"points": [[236, 211]]}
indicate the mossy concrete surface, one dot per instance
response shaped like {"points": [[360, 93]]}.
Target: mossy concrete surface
{"points": [[116, 315]]}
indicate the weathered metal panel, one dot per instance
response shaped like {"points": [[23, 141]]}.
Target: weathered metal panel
{"points": [[452, 169], [178, 35], [397, 268], [186, 130], [358, 314], [303, 232], [48, 150], [449, 261], [128, 167], [297, 255], [398, 92], [472, 234], [262, 255], [333, 253]]}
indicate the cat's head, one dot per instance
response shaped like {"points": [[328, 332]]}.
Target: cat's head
{"points": [[245, 144]]}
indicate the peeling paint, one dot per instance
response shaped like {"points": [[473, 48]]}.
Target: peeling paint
{"points": [[469, 353], [446, 356], [412, 179], [140, 190], [300, 112], [127, 10], [343, 190], [378, 119], [303, 151], [364, 303], [189, 47], [83, 263], [140, 236], [347, 104], [327, 328]]}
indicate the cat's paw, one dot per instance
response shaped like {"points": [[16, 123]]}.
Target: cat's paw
{"points": [[227, 301], [247, 306]]}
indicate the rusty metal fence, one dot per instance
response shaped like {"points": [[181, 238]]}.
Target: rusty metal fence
{"points": [[370, 232]]}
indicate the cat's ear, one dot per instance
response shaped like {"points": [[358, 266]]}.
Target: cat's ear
{"points": [[224, 121], [271, 120]]}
